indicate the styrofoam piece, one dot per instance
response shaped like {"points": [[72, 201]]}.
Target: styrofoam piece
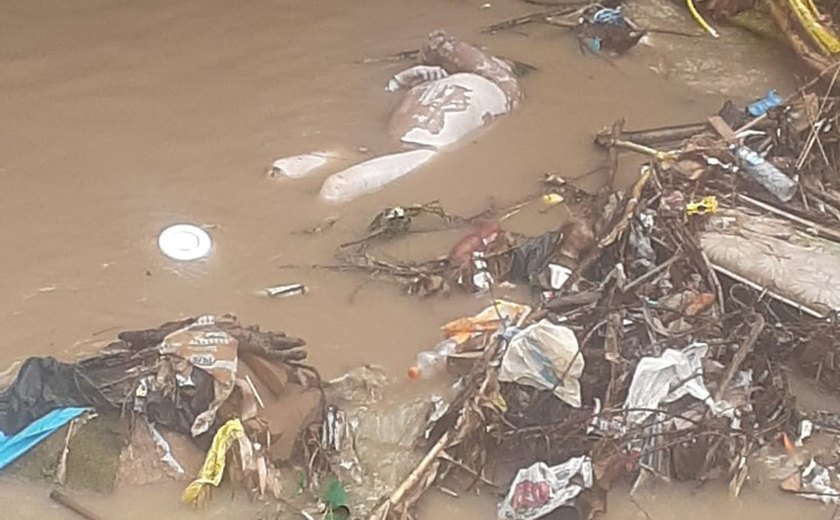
{"points": [[299, 166], [372, 175]]}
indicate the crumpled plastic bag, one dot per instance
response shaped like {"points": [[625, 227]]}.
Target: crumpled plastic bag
{"points": [[665, 379], [539, 489], [440, 113], [488, 319], [467, 88], [204, 345], [814, 482], [531, 257], [545, 356], [414, 76]]}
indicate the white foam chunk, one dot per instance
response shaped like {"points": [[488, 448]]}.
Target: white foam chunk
{"points": [[372, 175]]}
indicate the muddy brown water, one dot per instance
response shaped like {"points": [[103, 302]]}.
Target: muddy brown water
{"points": [[118, 118]]}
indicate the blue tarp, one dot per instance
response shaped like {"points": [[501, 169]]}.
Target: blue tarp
{"points": [[11, 448]]}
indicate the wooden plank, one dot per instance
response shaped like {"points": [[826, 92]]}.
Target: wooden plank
{"points": [[73, 505], [723, 128]]}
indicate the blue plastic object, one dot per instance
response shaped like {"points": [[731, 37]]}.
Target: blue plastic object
{"points": [[594, 43], [609, 16], [12, 448], [760, 107]]}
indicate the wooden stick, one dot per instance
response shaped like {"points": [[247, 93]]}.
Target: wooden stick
{"points": [[617, 128], [631, 201], [73, 505], [266, 373], [654, 136], [412, 479], [448, 458], [567, 24], [743, 350], [572, 24], [769, 292], [653, 272], [531, 18], [645, 150], [819, 229], [255, 392], [715, 280]]}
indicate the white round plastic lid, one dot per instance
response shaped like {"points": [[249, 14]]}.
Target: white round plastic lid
{"points": [[185, 242]]}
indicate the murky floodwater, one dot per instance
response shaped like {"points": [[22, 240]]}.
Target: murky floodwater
{"points": [[118, 118]]}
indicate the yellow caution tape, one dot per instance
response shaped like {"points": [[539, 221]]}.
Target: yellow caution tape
{"points": [[705, 206], [808, 16], [214, 464]]}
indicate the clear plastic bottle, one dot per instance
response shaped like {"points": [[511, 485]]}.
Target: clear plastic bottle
{"points": [[432, 362], [754, 166]]}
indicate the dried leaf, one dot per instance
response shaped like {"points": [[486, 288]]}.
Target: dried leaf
{"points": [[699, 303]]}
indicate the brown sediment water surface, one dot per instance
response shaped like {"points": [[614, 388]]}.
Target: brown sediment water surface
{"points": [[119, 118]]}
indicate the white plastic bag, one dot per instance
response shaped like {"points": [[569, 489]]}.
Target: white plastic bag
{"points": [[441, 113], [545, 356], [665, 379], [539, 489]]}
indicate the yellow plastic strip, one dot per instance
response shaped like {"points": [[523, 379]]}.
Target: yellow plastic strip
{"points": [[214, 464], [705, 206], [700, 20]]}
